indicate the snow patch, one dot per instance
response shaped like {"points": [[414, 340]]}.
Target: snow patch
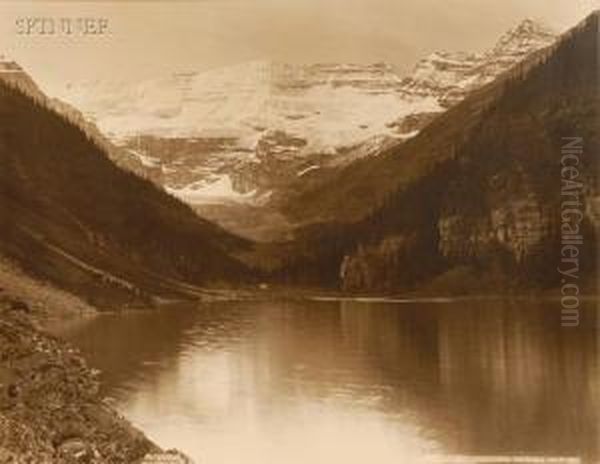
{"points": [[216, 192], [308, 169], [408, 135], [147, 161]]}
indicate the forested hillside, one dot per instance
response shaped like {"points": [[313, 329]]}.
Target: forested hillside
{"points": [[69, 215], [475, 199]]}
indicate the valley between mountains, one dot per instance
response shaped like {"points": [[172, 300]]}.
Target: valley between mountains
{"points": [[241, 144], [276, 182], [342, 177]]}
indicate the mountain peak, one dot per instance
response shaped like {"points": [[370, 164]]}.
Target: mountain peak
{"points": [[531, 26], [9, 66], [526, 36], [12, 73]]}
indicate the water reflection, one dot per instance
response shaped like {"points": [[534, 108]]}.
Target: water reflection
{"points": [[325, 382]]}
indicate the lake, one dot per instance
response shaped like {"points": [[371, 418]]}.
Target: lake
{"points": [[311, 382]]}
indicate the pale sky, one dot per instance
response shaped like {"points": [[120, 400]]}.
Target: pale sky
{"points": [[146, 39]]}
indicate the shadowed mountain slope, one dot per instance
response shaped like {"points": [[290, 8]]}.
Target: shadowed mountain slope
{"points": [[477, 193], [69, 215]]}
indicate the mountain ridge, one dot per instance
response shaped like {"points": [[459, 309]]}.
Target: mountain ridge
{"points": [[474, 200], [259, 127], [70, 216]]}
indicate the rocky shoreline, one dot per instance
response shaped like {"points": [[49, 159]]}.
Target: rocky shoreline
{"points": [[51, 410]]}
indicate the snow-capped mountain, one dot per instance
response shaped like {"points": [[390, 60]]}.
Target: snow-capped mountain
{"points": [[326, 105], [241, 133], [248, 128], [450, 76]]}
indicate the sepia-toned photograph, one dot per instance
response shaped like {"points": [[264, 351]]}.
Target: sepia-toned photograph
{"points": [[299, 232]]}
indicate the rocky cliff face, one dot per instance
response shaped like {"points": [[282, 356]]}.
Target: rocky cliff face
{"points": [[518, 240], [521, 227]]}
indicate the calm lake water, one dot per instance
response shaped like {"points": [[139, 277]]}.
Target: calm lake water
{"points": [[352, 382]]}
